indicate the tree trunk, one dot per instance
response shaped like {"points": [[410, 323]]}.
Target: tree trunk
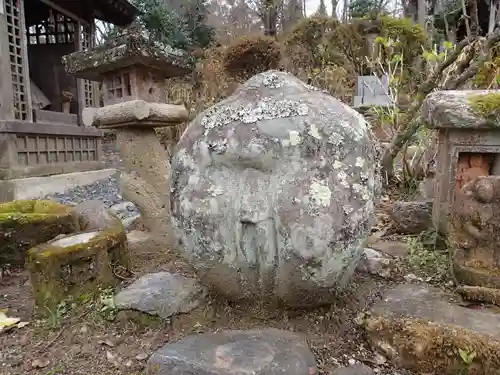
{"points": [[270, 17], [334, 9], [493, 14], [421, 12]]}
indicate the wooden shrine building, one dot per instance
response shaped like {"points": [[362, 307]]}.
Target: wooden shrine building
{"points": [[41, 131]]}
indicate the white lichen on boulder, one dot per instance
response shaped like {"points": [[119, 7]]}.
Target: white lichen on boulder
{"points": [[296, 177]]}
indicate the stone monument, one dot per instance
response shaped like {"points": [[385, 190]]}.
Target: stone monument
{"points": [[475, 233], [273, 192], [468, 129], [133, 69]]}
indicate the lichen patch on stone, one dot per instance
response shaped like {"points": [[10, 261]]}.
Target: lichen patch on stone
{"points": [[314, 132], [320, 193]]}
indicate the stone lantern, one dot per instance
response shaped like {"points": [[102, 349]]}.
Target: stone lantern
{"points": [[468, 129], [133, 70]]}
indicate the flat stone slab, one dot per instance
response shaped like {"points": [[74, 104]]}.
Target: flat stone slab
{"points": [[163, 294], [354, 370], [423, 328], [255, 352], [432, 304]]}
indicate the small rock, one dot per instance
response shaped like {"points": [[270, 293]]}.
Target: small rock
{"points": [[393, 248], [141, 356], [24, 340], [163, 294], [411, 217], [112, 358], [131, 223], [120, 209], [425, 191], [357, 369], [257, 352], [376, 263], [111, 342]]}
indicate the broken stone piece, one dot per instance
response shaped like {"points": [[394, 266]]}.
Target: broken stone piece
{"points": [[411, 217], [163, 294], [424, 329], [257, 352], [273, 192], [376, 263], [27, 223]]}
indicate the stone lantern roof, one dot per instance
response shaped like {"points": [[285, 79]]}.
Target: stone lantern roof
{"points": [[131, 46]]}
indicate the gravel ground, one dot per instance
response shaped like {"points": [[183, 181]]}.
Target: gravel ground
{"points": [[106, 191]]}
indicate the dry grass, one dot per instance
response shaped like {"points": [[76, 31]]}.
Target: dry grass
{"points": [[219, 70]]}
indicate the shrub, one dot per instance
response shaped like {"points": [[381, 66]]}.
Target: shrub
{"points": [[251, 55]]}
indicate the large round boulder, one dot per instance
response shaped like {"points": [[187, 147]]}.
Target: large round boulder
{"points": [[273, 192]]}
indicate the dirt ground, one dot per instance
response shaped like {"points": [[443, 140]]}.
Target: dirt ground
{"points": [[82, 339]]}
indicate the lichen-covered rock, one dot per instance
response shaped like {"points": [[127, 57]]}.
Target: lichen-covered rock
{"points": [[79, 263], [27, 223], [273, 192], [163, 294]]}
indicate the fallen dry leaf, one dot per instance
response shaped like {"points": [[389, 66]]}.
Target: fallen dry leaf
{"points": [[112, 358], [7, 322], [107, 342], [22, 324]]}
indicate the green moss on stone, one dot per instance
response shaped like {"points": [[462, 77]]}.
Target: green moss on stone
{"points": [[27, 223], [486, 105], [57, 272]]}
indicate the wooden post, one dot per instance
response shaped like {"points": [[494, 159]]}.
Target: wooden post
{"points": [[6, 98]]}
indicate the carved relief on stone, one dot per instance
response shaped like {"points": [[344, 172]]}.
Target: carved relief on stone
{"points": [[470, 166], [475, 233]]}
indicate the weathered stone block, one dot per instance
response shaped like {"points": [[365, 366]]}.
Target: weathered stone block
{"points": [[27, 223], [81, 262], [411, 217]]}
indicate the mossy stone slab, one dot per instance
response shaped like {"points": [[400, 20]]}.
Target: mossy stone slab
{"points": [[75, 265], [424, 329], [27, 223]]}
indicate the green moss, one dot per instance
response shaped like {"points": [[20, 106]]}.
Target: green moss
{"points": [[26, 211], [57, 272], [28, 223], [486, 105]]}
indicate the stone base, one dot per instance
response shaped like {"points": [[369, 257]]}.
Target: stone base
{"points": [[423, 329], [258, 352], [35, 187], [28, 223], [74, 265]]}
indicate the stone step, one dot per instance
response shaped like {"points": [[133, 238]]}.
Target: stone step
{"points": [[424, 329], [259, 352]]}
